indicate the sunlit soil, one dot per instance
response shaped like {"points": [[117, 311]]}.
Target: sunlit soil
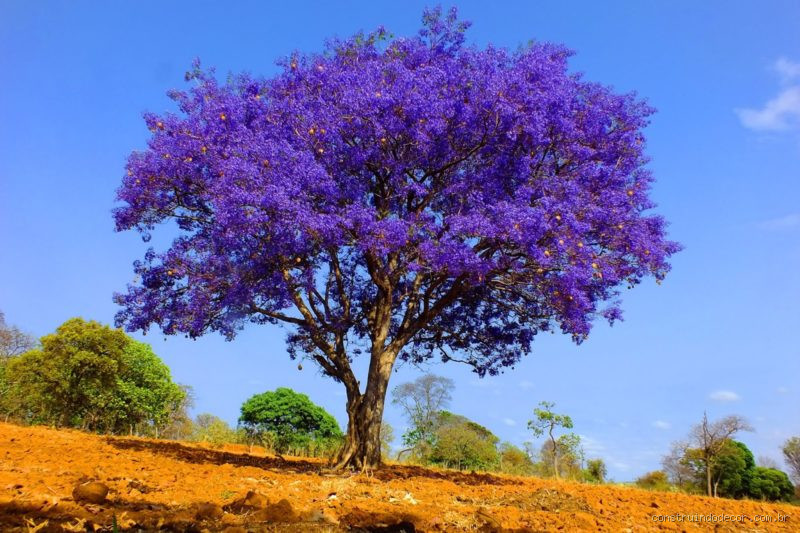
{"points": [[165, 485]]}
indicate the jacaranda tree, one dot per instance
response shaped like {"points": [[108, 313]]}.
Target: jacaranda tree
{"points": [[409, 198]]}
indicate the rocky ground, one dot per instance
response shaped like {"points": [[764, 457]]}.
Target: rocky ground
{"points": [[64, 480]]}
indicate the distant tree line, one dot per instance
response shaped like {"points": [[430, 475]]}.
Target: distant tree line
{"points": [[713, 463], [440, 438]]}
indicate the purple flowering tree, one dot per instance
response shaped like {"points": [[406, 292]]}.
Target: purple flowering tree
{"points": [[394, 198]]}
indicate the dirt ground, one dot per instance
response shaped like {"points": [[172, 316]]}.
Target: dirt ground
{"points": [[164, 485]]}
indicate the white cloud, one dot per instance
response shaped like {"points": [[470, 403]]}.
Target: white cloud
{"points": [[792, 220], [724, 396], [779, 114], [788, 70], [509, 422], [782, 112], [525, 384], [783, 390], [591, 446], [660, 424]]}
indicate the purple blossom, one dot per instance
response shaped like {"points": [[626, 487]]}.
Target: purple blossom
{"points": [[412, 196]]}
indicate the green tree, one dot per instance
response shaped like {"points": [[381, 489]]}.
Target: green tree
{"points": [[733, 470], [595, 471], [146, 393], [710, 439], [287, 420], [514, 460], [71, 379], [91, 376], [213, 430], [570, 455], [656, 480], [548, 422], [463, 444], [770, 484]]}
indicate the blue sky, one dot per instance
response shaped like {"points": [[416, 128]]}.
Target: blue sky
{"points": [[719, 335]]}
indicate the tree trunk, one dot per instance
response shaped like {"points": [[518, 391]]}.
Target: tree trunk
{"points": [[708, 479], [362, 447], [555, 453]]}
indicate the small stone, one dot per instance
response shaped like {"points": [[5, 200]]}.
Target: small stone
{"points": [[252, 500], [92, 492], [654, 505], [208, 511]]}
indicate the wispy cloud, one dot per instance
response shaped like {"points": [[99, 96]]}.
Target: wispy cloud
{"points": [[788, 70], [790, 221], [782, 112], [660, 424], [783, 390], [724, 396], [525, 384], [592, 446], [509, 422]]}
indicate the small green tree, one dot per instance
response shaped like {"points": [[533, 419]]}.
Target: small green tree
{"points": [[656, 480], [146, 395], [595, 471], [514, 460], [463, 444], [213, 430], [288, 421], [548, 422], [770, 484], [733, 470]]}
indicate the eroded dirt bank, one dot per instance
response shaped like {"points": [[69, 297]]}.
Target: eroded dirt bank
{"points": [[173, 486]]}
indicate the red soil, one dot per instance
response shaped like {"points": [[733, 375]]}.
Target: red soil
{"points": [[164, 485]]}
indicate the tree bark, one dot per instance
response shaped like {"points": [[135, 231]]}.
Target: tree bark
{"points": [[362, 447], [555, 453]]}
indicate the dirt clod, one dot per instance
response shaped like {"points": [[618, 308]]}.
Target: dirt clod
{"points": [[251, 501], [208, 511], [91, 492], [277, 512]]}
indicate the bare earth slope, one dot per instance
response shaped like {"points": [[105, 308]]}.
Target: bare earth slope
{"points": [[182, 487]]}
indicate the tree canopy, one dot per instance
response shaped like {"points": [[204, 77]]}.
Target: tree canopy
{"points": [[407, 197], [94, 377], [463, 444], [291, 419], [548, 422], [731, 469]]}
